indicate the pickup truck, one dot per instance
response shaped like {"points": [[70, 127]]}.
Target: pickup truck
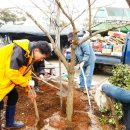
{"points": [[116, 59], [113, 59]]}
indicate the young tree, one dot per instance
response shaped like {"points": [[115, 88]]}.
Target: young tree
{"points": [[69, 66]]}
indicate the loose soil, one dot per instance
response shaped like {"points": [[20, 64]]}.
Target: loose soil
{"points": [[49, 103]]}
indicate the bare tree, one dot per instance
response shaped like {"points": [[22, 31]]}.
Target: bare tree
{"points": [[7, 15], [69, 66]]}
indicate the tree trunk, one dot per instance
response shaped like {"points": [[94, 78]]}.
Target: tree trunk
{"points": [[128, 2], [71, 72], [69, 107]]}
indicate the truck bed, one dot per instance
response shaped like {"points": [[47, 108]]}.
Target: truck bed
{"points": [[108, 59]]}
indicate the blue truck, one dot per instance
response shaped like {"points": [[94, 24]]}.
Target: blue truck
{"points": [[110, 60]]}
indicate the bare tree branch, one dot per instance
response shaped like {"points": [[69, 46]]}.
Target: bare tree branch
{"points": [[89, 16], [66, 6], [78, 16], [56, 50], [39, 8], [51, 19], [74, 19], [93, 2], [70, 19], [128, 2]]}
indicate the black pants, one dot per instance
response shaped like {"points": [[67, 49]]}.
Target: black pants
{"points": [[12, 98], [36, 83], [126, 113]]}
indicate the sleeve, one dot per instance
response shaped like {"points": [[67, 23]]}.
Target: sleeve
{"points": [[17, 61], [86, 51]]}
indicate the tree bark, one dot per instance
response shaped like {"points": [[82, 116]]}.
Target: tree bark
{"points": [[69, 105], [128, 2], [71, 72]]}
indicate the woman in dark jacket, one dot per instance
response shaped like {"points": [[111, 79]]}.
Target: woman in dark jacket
{"points": [[39, 71]]}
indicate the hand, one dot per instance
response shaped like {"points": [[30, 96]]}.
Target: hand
{"points": [[32, 95], [31, 83], [81, 64], [41, 76]]}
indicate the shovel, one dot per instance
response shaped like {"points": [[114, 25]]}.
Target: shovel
{"points": [[63, 93], [36, 124], [85, 84]]}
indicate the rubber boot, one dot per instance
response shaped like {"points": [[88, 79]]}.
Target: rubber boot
{"points": [[10, 122]]}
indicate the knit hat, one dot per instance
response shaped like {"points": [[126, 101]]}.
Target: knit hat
{"points": [[70, 36]]}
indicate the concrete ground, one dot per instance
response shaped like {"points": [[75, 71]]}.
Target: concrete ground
{"points": [[98, 77]]}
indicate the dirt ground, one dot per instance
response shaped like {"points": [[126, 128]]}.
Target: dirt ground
{"points": [[49, 104], [52, 116]]}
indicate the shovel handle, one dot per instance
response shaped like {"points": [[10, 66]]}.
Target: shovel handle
{"points": [[86, 86], [36, 77], [35, 106]]}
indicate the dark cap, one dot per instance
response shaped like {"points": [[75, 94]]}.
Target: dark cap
{"points": [[70, 36]]}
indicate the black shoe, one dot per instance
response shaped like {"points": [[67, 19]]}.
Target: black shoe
{"points": [[38, 90]]}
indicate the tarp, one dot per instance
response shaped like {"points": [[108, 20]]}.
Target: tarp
{"points": [[104, 26], [34, 30]]}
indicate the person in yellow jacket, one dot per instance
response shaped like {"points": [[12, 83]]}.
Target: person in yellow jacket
{"points": [[16, 60]]}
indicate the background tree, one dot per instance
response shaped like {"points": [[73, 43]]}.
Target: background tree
{"points": [[9, 16]]}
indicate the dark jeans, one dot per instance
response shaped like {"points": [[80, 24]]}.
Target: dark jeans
{"points": [[12, 98], [88, 72], [36, 83], [126, 114]]}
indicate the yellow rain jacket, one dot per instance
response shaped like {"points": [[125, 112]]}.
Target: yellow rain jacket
{"points": [[10, 77]]}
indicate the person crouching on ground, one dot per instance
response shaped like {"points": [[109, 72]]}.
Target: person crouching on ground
{"points": [[16, 60], [121, 95], [39, 70]]}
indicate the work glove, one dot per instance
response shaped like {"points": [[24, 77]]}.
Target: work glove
{"points": [[31, 83], [31, 92], [45, 77], [41, 76], [81, 64]]}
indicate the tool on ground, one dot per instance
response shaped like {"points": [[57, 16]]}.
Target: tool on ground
{"points": [[85, 83], [32, 91], [64, 92]]}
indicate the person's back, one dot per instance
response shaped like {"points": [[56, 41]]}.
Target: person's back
{"points": [[38, 68], [84, 52], [85, 56]]}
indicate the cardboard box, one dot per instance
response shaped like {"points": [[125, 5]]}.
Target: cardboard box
{"points": [[97, 46], [106, 51], [118, 48]]}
